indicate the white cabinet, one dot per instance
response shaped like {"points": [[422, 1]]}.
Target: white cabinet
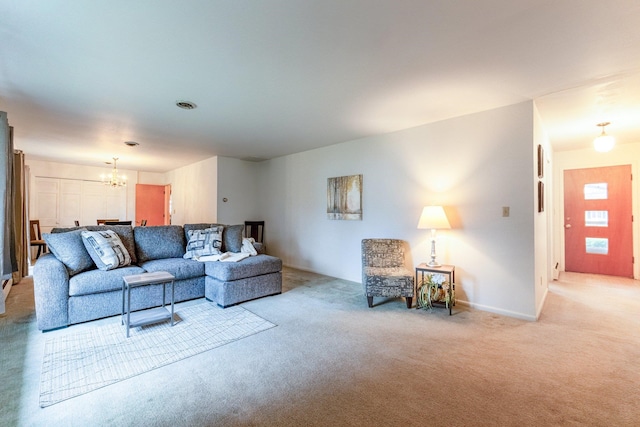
{"points": [[58, 202], [46, 202], [69, 204]]}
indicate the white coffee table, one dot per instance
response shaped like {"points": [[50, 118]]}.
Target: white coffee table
{"points": [[150, 315]]}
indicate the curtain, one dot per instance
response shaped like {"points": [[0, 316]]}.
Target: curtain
{"points": [[8, 262], [20, 220]]}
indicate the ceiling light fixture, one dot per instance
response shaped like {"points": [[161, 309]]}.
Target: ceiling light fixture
{"points": [[186, 105], [113, 179], [603, 142], [131, 143]]}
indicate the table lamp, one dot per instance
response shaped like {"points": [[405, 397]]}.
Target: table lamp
{"points": [[434, 218]]}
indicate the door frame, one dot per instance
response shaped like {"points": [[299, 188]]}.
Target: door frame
{"points": [[580, 159]]}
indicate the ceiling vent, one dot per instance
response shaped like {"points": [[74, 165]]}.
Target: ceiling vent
{"points": [[186, 105]]}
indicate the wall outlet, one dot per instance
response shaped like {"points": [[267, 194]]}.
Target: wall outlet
{"points": [[505, 211]]}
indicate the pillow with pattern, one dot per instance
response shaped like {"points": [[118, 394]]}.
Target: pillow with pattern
{"points": [[106, 249], [204, 242]]}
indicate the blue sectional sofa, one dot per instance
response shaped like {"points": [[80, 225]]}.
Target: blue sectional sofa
{"points": [[69, 289]]}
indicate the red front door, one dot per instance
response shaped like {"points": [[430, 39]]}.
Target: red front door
{"points": [[598, 221]]}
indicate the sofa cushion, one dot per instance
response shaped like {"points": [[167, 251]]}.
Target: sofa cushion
{"points": [[159, 242], [124, 232], [95, 281], [70, 250], [179, 267], [106, 249], [248, 267], [204, 242]]}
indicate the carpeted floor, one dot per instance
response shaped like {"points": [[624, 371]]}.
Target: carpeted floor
{"points": [[82, 361], [333, 361]]}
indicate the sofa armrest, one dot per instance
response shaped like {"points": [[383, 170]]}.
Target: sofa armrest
{"points": [[51, 292]]}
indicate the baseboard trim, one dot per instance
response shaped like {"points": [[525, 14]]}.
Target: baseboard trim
{"points": [[499, 311], [6, 288], [544, 299]]}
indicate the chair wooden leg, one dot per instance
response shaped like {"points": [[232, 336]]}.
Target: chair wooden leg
{"points": [[370, 301], [409, 301]]}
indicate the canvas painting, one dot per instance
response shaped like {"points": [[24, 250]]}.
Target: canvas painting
{"points": [[344, 197]]}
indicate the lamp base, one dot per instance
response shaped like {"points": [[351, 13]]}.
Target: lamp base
{"points": [[433, 262]]}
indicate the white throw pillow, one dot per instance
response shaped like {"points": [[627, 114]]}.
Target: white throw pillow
{"points": [[204, 242], [106, 249]]}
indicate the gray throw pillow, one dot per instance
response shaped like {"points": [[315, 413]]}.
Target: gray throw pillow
{"points": [[159, 242], [106, 249], [69, 250], [233, 238]]}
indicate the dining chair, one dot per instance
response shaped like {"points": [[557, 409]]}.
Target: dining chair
{"points": [[117, 223], [35, 237], [102, 221], [254, 229]]}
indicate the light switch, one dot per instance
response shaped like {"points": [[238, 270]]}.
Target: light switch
{"points": [[505, 211]]}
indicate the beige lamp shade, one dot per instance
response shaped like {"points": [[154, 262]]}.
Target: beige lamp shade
{"points": [[434, 218]]}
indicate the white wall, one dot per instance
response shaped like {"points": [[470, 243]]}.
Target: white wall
{"points": [[152, 178], [473, 165], [542, 220], [194, 192], [622, 154], [237, 183]]}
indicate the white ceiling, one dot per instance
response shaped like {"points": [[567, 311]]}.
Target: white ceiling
{"points": [[275, 77]]}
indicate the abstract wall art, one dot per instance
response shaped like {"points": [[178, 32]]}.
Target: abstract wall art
{"points": [[344, 197]]}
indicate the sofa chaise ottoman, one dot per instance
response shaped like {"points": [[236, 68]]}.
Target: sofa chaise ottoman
{"points": [[230, 283]]}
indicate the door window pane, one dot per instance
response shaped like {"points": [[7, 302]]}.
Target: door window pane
{"points": [[597, 245], [596, 218], [597, 191]]}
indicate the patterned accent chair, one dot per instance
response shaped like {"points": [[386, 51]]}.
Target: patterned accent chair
{"points": [[384, 273]]}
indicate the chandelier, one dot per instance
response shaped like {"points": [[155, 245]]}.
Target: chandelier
{"points": [[113, 179]]}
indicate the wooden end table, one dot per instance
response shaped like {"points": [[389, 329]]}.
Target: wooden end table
{"points": [[448, 270]]}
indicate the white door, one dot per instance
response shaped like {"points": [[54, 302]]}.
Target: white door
{"points": [[116, 202], [94, 203], [47, 199], [70, 194]]}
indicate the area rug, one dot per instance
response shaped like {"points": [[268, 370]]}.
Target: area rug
{"points": [[92, 358]]}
